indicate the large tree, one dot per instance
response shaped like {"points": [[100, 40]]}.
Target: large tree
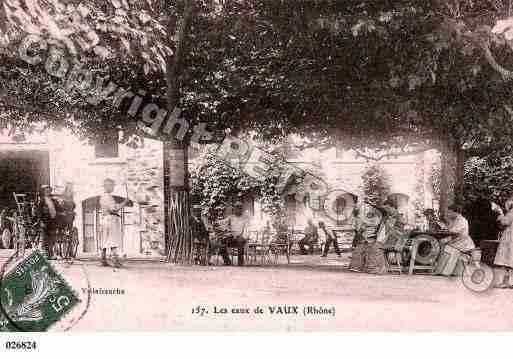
{"points": [[133, 43], [361, 74]]}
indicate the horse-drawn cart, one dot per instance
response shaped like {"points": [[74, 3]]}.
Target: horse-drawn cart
{"points": [[27, 228]]}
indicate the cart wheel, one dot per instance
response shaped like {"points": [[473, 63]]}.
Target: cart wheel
{"points": [[478, 277], [6, 238]]}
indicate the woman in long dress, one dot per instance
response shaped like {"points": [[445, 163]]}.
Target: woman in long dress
{"points": [[449, 263], [368, 255], [504, 256], [111, 236]]}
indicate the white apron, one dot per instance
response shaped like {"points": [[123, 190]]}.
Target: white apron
{"points": [[449, 262], [504, 256], [111, 235]]}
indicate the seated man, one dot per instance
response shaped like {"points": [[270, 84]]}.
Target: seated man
{"points": [[311, 237], [199, 230], [234, 236]]}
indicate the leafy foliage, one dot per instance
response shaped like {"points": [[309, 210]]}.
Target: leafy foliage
{"points": [[126, 42], [376, 185], [489, 177], [434, 179], [362, 74], [216, 185], [124, 29]]}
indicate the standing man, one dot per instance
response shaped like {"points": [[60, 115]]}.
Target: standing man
{"points": [[311, 237], [236, 237], [48, 214], [329, 240], [111, 223], [68, 205]]}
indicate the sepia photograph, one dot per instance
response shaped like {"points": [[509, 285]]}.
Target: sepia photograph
{"points": [[255, 166]]}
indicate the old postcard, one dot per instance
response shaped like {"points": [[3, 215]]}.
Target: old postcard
{"points": [[255, 165]]}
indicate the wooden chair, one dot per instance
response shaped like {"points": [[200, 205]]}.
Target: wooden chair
{"points": [[414, 248], [252, 247], [201, 252], [278, 246], [394, 261], [259, 248]]}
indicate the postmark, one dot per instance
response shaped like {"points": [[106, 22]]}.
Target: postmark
{"points": [[34, 296]]}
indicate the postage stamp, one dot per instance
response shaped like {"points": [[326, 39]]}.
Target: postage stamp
{"points": [[34, 296]]}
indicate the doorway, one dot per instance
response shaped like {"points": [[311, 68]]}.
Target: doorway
{"points": [[92, 222], [22, 172]]}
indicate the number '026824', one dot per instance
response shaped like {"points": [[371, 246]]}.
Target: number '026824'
{"points": [[15, 345]]}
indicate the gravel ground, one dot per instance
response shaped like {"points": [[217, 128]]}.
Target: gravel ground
{"points": [[154, 296]]}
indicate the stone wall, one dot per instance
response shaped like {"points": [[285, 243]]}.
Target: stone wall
{"points": [[409, 175], [141, 169], [145, 178]]}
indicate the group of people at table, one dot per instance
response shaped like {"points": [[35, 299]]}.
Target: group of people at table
{"points": [[232, 232], [377, 229]]}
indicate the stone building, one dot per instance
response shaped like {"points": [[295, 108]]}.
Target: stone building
{"points": [[56, 158], [409, 179]]}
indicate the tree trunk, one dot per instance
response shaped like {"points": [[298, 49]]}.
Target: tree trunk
{"points": [[448, 174], [460, 175], [176, 191], [178, 213], [443, 186]]}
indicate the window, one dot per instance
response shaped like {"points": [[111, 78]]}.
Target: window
{"points": [[340, 206], [107, 148]]}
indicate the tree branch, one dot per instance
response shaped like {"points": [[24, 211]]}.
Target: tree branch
{"points": [[388, 155], [506, 74]]}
